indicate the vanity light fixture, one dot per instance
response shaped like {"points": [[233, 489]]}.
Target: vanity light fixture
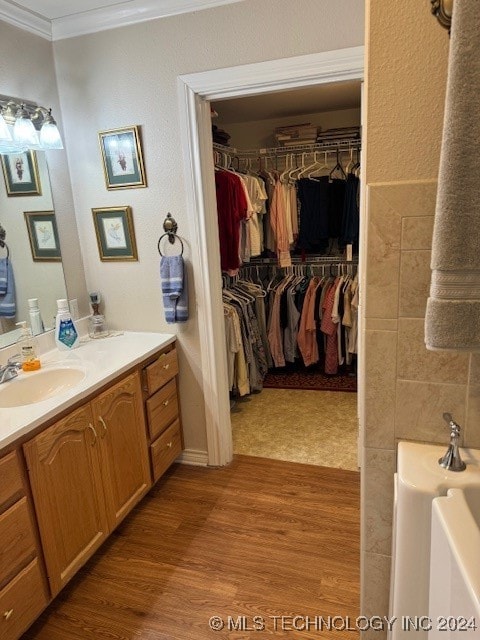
{"points": [[25, 125]]}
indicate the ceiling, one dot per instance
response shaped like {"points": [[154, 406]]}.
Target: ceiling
{"points": [[57, 19], [319, 98]]}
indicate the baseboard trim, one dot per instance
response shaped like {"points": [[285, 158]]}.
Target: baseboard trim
{"points": [[193, 457]]}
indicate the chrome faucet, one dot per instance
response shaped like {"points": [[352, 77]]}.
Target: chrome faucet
{"points": [[10, 370], [452, 460]]}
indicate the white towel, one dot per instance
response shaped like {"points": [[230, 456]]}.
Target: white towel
{"points": [[453, 309]]}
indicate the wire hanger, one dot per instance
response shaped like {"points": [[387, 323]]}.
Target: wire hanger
{"points": [[337, 166]]}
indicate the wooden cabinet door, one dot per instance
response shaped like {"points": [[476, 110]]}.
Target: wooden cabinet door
{"points": [[63, 463], [120, 423]]}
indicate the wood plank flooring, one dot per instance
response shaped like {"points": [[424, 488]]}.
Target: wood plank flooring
{"points": [[258, 538]]}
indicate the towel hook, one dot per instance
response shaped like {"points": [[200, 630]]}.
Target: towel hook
{"points": [[170, 227]]}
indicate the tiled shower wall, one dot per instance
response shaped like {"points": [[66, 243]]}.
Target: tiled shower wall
{"points": [[407, 387]]}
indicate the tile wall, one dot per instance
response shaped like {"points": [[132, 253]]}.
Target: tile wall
{"points": [[407, 388]]}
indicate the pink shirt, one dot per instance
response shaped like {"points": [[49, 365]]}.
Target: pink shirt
{"points": [[278, 222]]}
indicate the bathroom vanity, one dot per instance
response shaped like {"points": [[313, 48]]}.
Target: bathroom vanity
{"points": [[73, 465]]}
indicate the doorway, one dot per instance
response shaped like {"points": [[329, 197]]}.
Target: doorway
{"points": [[294, 405], [196, 92]]}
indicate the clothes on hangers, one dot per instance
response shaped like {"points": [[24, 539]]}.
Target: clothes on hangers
{"points": [[243, 312], [313, 317], [232, 208]]}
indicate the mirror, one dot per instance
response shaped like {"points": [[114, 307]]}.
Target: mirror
{"points": [[35, 260]]}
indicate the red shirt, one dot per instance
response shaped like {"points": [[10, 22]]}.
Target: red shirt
{"points": [[231, 210]]}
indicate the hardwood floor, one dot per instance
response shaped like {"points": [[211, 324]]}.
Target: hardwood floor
{"points": [[258, 538]]}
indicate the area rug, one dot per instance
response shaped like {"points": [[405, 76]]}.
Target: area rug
{"points": [[309, 379]]}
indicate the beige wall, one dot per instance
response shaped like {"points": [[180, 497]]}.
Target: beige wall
{"points": [[407, 387], [27, 70], [129, 76]]}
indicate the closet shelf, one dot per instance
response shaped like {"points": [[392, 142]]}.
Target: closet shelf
{"points": [[344, 144]]}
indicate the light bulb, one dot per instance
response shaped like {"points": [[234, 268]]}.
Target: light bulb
{"points": [[50, 136], [24, 131], [5, 135]]}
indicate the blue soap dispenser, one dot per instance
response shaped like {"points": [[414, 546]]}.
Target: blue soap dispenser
{"points": [[66, 334]]}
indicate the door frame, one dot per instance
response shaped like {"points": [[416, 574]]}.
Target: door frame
{"points": [[195, 93]]}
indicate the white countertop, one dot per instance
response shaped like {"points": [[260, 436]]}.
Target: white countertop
{"points": [[102, 359]]}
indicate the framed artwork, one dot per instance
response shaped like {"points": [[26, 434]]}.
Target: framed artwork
{"points": [[115, 233], [43, 236], [122, 158], [20, 171]]}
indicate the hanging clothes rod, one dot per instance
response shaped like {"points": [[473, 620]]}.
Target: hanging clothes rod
{"points": [[341, 145]]}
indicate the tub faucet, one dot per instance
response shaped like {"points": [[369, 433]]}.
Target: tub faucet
{"points": [[452, 460]]}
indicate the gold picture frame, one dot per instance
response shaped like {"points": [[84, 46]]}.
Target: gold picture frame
{"points": [[115, 233], [122, 157], [43, 236], [20, 171]]}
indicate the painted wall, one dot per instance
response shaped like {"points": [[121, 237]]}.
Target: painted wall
{"points": [[129, 76], [260, 133], [407, 387], [27, 70]]}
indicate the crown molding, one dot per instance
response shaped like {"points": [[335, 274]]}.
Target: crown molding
{"points": [[25, 20], [125, 14], [119, 15]]}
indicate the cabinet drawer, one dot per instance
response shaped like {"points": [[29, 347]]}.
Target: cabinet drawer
{"points": [[166, 449], [21, 601], [17, 545], [11, 485], [160, 371], [162, 409]]}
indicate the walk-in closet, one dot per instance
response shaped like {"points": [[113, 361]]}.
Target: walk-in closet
{"points": [[287, 170]]}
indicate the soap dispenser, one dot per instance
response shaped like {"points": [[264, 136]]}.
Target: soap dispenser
{"points": [[66, 334], [26, 342], [97, 327]]}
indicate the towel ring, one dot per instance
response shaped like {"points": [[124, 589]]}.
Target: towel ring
{"points": [[171, 237]]}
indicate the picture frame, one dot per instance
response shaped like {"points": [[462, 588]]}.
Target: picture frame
{"points": [[43, 236], [115, 233], [122, 158], [20, 171]]}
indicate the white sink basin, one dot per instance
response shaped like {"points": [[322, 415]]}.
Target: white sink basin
{"points": [[36, 386], [418, 481]]}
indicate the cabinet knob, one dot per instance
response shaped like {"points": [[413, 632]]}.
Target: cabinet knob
{"points": [[166, 403], [166, 366], [8, 614], [170, 445]]}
